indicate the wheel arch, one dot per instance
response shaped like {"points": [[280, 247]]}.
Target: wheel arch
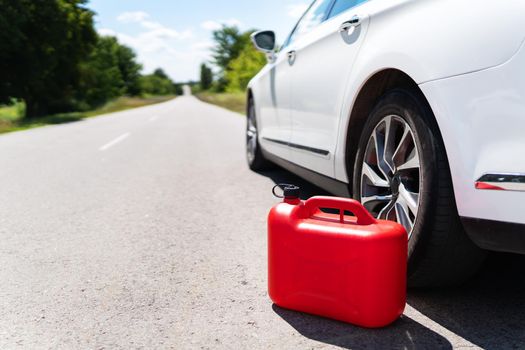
{"points": [[249, 98], [369, 94]]}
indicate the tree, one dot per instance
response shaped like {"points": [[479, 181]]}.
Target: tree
{"points": [[129, 69], [41, 46], [229, 42], [109, 71], [178, 89], [243, 68], [159, 72], [206, 77], [101, 75]]}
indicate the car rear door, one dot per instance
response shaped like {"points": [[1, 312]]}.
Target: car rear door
{"points": [[323, 59]]}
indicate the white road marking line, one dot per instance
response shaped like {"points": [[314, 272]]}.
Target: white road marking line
{"points": [[155, 117], [114, 142]]}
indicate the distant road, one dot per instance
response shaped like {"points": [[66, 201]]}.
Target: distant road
{"points": [[144, 228]]}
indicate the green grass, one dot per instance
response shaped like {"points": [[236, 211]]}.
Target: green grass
{"points": [[11, 117], [235, 101], [11, 113]]}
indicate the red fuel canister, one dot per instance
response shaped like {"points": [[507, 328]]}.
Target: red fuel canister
{"points": [[349, 268]]}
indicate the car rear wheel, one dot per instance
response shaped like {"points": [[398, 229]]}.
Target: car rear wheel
{"points": [[254, 156], [401, 174]]}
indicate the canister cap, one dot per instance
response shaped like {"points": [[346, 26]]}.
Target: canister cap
{"points": [[289, 191]]}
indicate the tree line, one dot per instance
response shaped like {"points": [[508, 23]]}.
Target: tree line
{"points": [[235, 59], [52, 58]]}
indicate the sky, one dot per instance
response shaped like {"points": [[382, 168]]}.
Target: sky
{"points": [[177, 35]]}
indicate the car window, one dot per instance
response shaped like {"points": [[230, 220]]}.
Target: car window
{"points": [[316, 14], [343, 5]]}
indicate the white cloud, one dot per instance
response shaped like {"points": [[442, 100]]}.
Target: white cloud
{"points": [[177, 57], [130, 17], [202, 45], [155, 29], [107, 32], [211, 25], [214, 25], [150, 24], [157, 45], [297, 10], [156, 40]]}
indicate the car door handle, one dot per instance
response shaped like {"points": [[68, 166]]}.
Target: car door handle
{"points": [[355, 21], [291, 57]]}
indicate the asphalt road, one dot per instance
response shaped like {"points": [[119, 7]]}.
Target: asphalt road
{"points": [[145, 229]]}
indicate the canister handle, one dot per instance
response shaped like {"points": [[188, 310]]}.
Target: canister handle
{"points": [[351, 205]]}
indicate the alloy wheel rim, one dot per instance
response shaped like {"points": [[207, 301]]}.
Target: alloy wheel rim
{"points": [[251, 136], [390, 174]]}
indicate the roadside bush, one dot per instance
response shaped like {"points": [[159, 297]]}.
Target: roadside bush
{"points": [[157, 83]]}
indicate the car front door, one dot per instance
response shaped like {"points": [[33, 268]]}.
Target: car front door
{"points": [[275, 107], [323, 59], [276, 110]]}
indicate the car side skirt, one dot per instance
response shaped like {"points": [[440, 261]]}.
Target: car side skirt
{"points": [[496, 235], [321, 152], [333, 186]]}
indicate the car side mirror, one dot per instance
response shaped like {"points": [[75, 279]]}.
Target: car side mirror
{"points": [[264, 41]]}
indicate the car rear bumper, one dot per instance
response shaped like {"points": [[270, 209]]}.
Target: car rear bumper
{"points": [[481, 116], [496, 235]]}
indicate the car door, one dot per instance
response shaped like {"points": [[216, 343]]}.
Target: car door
{"points": [[323, 59], [275, 107], [276, 110]]}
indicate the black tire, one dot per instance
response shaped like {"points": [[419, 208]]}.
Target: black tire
{"points": [[254, 155], [439, 252]]}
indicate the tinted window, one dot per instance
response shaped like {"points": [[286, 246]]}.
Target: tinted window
{"points": [[316, 14], [343, 5]]}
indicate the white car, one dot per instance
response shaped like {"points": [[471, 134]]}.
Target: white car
{"points": [[415, 108]]}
